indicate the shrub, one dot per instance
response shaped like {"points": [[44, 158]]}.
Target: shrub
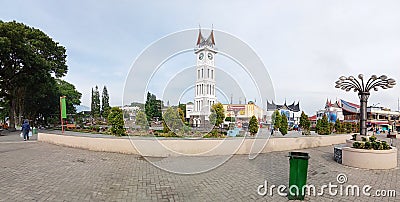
{"points": [[116, 119], [376, 145], [354, 136], [356, 145], [385, 145], [372, 138], [367, 145], [306, 132], [363, 139]]}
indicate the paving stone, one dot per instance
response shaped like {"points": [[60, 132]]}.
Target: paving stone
{"points": [[43, 172]]}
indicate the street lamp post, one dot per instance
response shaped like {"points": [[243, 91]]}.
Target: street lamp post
{"points": [[374, 82]]}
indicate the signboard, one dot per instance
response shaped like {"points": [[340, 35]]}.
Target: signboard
{"points": [[236, 107], [63, 107]]}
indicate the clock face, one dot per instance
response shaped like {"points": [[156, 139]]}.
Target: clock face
{"points": [[201, 56], [210, 56]]}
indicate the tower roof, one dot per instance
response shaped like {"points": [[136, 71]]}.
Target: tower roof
{"points": [[201, 41]]}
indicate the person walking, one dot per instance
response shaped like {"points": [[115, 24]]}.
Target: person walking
{"points": [[25, 129]]}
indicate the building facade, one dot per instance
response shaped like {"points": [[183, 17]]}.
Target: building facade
{"points": [[380, 118], [243, 112], [292, 112]]}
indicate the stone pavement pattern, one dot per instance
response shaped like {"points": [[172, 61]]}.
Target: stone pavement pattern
{"points": [[35, 171]]}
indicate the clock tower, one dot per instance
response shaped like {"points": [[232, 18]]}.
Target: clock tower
{"points": [[205, 93]]}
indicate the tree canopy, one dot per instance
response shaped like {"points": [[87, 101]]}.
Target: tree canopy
{"points": [[141, 120], [217, 115], [276, 119], [95, 104], [105, 103], [283, 126], [29, 61], [173, 119], [116, 120], [73, 97], [323, 127], [304, 121], [253, 125], [153, 107]]}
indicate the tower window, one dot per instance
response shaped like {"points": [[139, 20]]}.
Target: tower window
{"points": [[198, 73], [212, 74], [202, 75], [208, 73]]}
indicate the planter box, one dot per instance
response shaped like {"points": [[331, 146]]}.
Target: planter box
{"points": [[349, 143], [370, 159], [391, 136]]}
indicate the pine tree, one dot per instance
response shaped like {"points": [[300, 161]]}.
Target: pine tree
{"points": [[276, 120], [324, 126], [95, 106], [304, 121], [105, 103], [338, 126], [92, 107], [253, 125], [283, 128]]}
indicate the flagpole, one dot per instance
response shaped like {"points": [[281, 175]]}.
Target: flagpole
{"points": [[62, 126]]}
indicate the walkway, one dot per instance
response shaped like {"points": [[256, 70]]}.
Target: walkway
{"points": [[38, 171]]}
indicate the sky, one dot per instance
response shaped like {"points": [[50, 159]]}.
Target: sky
{"points": [[305, 45]]}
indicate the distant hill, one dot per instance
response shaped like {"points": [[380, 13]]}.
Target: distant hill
{"points": [[81, 108], [137, 104]]}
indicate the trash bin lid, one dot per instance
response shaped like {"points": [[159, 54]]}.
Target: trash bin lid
{"points": [[302, 155]]}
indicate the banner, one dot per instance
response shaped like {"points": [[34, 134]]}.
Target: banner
{"points": [[63, 107]]}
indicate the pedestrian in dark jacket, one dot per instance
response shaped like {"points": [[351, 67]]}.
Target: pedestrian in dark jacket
{"points": [[25, 129]]}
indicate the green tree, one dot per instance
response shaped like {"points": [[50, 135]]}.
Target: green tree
{"points": [[283, 127], [181, 114], [304, 121], [276, 119], [73, 97], [338, 126], [324, 128], [141, 120], [217, 115], [105, 103], [172, 120], [95, 106], [318, 126], [153, 107], [116, 120], [183, 108], [27, 56], [253, 125], [43, 103], [348, 127]]}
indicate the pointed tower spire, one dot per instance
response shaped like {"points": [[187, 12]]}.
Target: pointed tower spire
{"points": [[200, 38]]}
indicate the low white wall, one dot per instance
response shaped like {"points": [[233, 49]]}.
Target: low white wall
{"points": [[199, 147], [370, 159]]}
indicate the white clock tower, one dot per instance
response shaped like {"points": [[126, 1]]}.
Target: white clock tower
{"points": [[205, 93]]}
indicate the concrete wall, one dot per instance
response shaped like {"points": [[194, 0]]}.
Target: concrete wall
{"points": [[195, 147]]}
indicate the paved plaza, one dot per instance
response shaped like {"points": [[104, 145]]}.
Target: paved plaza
{"points": [[35, 171]]}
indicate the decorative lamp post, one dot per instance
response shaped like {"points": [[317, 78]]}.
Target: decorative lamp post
{"points": [[348, 83]]}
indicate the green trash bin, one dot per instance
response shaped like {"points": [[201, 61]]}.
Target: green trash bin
{"points": [[298, 174], [34, 130]]}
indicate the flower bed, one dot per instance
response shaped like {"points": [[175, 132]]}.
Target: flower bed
{"points": [[369, 153]]}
